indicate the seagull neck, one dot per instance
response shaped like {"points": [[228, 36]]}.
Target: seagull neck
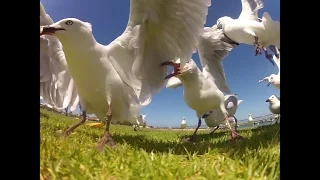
{"points": [[189, 79]]}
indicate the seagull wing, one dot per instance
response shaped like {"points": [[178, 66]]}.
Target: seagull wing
{"points": [[173, 83], [213, 48], [250, 9], [276, 51], [56, 84], [157, 31]]}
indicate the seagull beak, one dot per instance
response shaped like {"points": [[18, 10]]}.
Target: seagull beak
{"points": [[176, 68], [267, 100], [49, 30]]}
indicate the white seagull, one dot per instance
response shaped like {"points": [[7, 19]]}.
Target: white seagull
{"points": [[274, 79], [204, 91], [183, 123], [250, 120], [117, 79], [274, 104], [248, 28], [215, 117], [140, 121], [57, 88]]}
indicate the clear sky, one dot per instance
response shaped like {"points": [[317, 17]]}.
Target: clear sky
{"points": [[242, 68]]}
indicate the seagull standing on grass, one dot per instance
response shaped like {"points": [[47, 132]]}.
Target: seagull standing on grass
{"points": [[204, 91], [249, 29], [274, 104], [250, 120], [274, 79], [140, 121], [57, 88], [183, 123], [116, 80], [216, 117]]}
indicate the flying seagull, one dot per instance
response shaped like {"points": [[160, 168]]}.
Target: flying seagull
{"points": [[248, 28]]}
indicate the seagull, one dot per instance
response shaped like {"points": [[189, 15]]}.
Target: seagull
{"points": [[57, 88], [274, 104], [140, 121], [183, 123], [215, 117], [204, 91], [248, 28], [250, 120], [116, 80], [274, 79]]}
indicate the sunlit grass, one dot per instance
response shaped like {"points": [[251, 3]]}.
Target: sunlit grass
{"points": [[156, 154]]}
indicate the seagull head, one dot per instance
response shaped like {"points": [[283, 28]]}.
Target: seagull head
{"points": [[222, 21], [274, 79], [272, 99], [68, 29], [188, 68]]}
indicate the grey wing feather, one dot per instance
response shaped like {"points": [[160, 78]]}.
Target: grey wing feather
{"points": [[213, 48], [250, 9]]}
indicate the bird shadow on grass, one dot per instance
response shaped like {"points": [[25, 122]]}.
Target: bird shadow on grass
{"points": [[261, 137]]}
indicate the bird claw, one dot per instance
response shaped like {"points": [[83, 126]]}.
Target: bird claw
{"points": [[105, 140], [189, 139], [236, 136], [258, 50]]}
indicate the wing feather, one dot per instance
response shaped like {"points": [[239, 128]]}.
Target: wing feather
{"points": [[250, 9], [157, 31], [56, 84], [213, 48]]}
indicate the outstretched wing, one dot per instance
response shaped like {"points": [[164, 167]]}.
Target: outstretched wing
{"points": [[173, 83], [250, 9], [213, 48], [276, 56], [56, 84], [157, 31]]}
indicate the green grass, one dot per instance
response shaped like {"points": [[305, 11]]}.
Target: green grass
{"points": [[156, 154]]}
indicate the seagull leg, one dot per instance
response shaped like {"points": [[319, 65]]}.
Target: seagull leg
{"points": [[106, 138], [72, 128], [234, 134], [256, 46], [268, 56], [135, 128], [236, 126], [214, 130], [192, 138]]}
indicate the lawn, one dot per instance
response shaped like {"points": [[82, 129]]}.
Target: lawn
{"points": [[155, 154]]}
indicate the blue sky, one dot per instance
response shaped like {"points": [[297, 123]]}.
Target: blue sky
{"points": [[243, 69]]}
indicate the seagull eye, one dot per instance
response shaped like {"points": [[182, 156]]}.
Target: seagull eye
{"points": [[69, 22]]}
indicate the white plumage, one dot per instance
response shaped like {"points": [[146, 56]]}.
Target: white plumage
{"points": [[122, 76], [248, 28], [274, 79], [56, 84], [204, 91]]}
